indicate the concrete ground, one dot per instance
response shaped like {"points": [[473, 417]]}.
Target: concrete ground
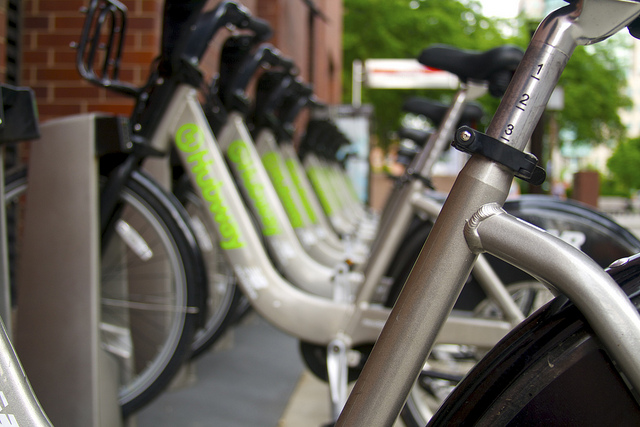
{"points": [[255, 377]]}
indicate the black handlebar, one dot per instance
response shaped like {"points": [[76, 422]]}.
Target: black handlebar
{"points": [[234, 80], [264, 55], [209, 23], [105, 26], [299, 96], [271, 88]]}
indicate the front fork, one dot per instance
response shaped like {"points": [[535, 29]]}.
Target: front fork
{"points": [[110, 207]]}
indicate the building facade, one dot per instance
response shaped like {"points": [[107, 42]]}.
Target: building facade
{"points": [[309, 32]]}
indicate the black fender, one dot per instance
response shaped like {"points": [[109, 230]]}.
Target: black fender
{"points": [[551, 369], [594, 233]]}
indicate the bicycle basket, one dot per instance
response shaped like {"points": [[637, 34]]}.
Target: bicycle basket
{"points": [[100, 46]]}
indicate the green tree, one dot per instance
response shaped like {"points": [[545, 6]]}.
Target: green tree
{"points": [[593, 80], [402, 29], [594, 83], [623, 165]]}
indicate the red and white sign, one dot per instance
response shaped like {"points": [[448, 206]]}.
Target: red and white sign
{"points": [[405, 74]]}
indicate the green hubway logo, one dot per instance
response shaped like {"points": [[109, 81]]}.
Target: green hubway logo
{"points": [[238, 153], [189, 140], [273, 164]]}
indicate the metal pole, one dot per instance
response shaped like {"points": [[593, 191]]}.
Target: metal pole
{"points": [[356, 97]]}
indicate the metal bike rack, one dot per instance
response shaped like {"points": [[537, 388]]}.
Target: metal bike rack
{"points": [[58, 337]]}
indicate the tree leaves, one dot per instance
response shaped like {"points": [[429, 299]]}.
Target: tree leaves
{"points": [[593, 80]]}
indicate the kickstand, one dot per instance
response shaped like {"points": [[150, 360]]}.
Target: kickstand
{"points": [[337, 371]]}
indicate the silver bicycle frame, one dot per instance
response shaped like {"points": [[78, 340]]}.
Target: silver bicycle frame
{"points": [[262, 198], [414, 200], [431, 289], [269, 152], [352, 248], [312, 204], [308, 317], [18, 404], [340, 220]]}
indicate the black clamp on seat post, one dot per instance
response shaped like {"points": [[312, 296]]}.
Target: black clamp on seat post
{"points": [[524, 165]]}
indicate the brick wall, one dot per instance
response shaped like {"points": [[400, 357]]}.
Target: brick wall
{"points": [[290, 20], [49, 63]]}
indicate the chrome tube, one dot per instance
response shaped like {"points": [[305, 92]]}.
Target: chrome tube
{"points": [[568, 270], [18, 402]]}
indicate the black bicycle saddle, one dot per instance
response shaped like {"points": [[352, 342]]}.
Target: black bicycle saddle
{"points": [[435, 111], [416, 135], [495, 66], [432, 110]]}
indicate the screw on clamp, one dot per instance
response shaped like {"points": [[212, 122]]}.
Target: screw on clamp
{"points": [[465, 135]]}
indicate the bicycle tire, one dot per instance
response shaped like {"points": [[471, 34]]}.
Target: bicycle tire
{"points": [[443, 374], [154, 232], [550, 370], [223, 296]]}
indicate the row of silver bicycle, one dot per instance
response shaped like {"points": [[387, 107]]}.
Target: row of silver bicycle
{"points": [[207, 204]]}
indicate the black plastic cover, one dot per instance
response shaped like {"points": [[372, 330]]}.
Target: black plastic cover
{"points": [[18, 113]]}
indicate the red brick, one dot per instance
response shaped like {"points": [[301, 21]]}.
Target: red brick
{"points": [[118, 109], [29, 7], [40, 91], [3, 22], [139, 57], [59, 74], [35, 58], [68, 22], [126, 74], [80, 92], [148, 6], [59, 5], [28, 40], [36, 23], [150, 41], [61, 57], [55, 40], [57, 109], [137, 24]]}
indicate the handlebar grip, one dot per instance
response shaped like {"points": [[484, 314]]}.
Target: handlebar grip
{"points": [[299, 98], [287, 64], [226, 13], [265, 54], [260, 28], [240, 17]]}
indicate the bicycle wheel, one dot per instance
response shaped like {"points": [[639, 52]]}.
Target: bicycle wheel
{"points": [[431, 389], [551, 370], [223, 296], [447, 365], [528, 295], [151, 280]]}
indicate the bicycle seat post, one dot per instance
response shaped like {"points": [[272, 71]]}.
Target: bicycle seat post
{"points": [[423, 307]]}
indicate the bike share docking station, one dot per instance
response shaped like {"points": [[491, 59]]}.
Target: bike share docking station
{"points": [[59, 321]]}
